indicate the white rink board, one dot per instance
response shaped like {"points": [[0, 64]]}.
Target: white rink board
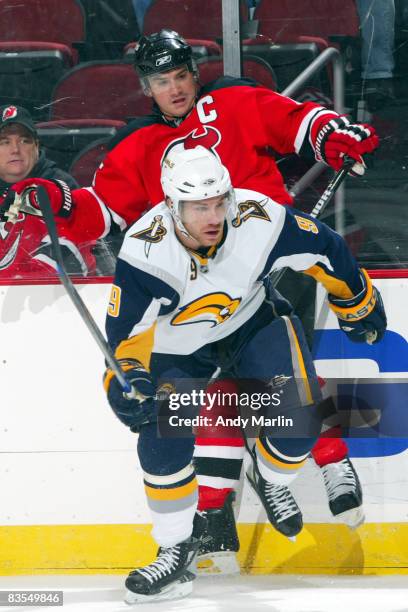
{"points": [[65, 458]]}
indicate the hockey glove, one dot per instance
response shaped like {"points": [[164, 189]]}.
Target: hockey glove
{"points": [[361, 317], [58, 192], [131, 411], [338, 137]]}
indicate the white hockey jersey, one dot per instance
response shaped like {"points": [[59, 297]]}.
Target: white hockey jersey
{"points": [[169, 299]]}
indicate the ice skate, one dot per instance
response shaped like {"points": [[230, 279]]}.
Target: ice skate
{"points": [[171, 575], [278, 502], [344, 492], [219, 543]]}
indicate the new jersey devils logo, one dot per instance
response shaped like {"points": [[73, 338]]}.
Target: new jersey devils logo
{"points": [[9, 113], [206, 136], [10, 237]]}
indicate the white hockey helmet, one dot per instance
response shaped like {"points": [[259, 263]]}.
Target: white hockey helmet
{"points": [[193, 174]]}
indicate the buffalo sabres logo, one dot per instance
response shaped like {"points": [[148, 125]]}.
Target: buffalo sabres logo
{"points": [[214, 308], [152, 234], [248, 209], [206, 136]]}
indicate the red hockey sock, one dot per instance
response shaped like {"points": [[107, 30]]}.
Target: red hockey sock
{"points": [[209, 498], [329, 449]]}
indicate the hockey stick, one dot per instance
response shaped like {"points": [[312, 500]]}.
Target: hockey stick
{"points": [[48, 216], [322, 202], [318, 208]]}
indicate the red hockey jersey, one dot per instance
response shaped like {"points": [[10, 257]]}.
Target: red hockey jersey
{"points": [[25, 252], [241, 122]]}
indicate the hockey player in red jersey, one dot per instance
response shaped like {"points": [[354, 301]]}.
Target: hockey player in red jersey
{"points": [[240, 122]]}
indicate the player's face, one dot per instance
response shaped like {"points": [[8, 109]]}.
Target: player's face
{"points": [[174, 91], [204, 219], [18, 153]]}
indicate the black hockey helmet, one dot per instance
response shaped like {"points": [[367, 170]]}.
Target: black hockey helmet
{"points": [[162, 51]]}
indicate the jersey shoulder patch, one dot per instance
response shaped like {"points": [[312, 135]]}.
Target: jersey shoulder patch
{"points": [[151, 245], [150, 229], [255, 206]]}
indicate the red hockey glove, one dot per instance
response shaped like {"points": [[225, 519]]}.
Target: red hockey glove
{"points": [[338, 137], [58, 192]]}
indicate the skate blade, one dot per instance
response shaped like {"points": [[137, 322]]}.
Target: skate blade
{"points": [[222, 563], [352, 518], [176, 590]]}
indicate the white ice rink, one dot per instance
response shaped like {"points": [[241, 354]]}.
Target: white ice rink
{"points": [[235, 594]]}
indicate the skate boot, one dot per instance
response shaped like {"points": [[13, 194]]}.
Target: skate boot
{"points": [[219, 543], [171, 575], [279, 504], [344, 492]]}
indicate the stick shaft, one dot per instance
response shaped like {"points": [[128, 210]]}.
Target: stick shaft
{"points": [[79, 304], [320, 205]]}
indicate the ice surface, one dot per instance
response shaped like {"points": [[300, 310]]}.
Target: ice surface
{"points": [[104, 593]]}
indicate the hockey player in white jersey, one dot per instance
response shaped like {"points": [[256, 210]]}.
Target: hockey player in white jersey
{"points": [[189, 294]]}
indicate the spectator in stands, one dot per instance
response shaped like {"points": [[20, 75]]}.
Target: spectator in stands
{"points": [[24, 244], [20, 154], [377, 31]]}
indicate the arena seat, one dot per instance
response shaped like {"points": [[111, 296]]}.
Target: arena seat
{"points": [[190, 18], [99, 90], [63, 140], [254, 67], [37, 40], [291, 34], [287, 20], [86, 162]]}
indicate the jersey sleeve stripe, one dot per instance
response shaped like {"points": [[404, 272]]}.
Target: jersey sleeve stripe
{"points": [[301, 261], [107, 214], [332, 284], [304, 128], [303, 142], [138, 347]]}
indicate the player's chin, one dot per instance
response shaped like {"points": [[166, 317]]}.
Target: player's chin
{"points": [[210, 238]]}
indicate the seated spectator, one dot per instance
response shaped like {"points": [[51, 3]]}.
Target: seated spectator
{"points": [[20, 154], [24, 244]]}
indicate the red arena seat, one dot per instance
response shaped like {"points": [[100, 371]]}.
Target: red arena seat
{"points": [[37, 40], [99, 90], [287, 20], [254, 67], [192, 19], [84, 165]]}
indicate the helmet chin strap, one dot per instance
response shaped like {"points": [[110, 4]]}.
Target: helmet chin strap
{"points": [[179, 224], [182, 229]]}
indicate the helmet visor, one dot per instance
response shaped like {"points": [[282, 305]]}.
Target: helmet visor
{"points": [[210, 210]]}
